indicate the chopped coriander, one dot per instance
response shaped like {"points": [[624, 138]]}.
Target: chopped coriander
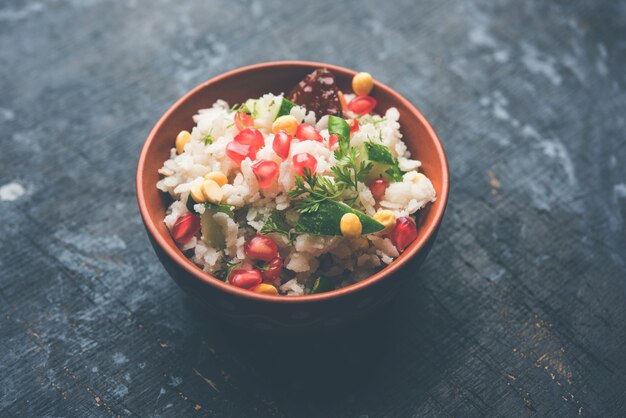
{"points": [[262, 265], [276, 223], [313, 189], [241, 107], [395, 173], [254, 112], [208, 138], [381, 155], [224, 272], [348, 171]]}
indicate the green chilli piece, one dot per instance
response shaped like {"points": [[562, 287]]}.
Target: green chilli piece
{"points": [[285, 107], [212, 232], [339, 126], [322, 284], [326, 219]]}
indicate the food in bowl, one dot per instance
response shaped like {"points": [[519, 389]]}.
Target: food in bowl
{"points": [[294, 194]]}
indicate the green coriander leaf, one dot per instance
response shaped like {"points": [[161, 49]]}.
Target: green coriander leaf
{"points": [[254, 112], [240, 107], [208, 138], [395, 173], [326, 219], [347, 172], [276, 223], [229, 266], [379, 154], [311, 189]]}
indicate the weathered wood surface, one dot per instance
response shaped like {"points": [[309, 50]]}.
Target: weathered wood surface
{"points": [[519, 310]]}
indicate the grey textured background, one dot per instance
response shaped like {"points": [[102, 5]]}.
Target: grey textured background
{"points": [[518, 311]]}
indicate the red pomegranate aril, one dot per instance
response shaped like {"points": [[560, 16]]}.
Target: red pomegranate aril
{"points": [[304, 161], [245, 278], [282, 144], [403, 233], [362, 105], [307, 132], [355, 126], [274, 268], [265, 172], [238, 152], [378, 188], [185, 228], [252, 137], [261, 248], [333, 140], [243, 121]]}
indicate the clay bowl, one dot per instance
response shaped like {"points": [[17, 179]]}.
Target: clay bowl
{"points": [[279, 313]]}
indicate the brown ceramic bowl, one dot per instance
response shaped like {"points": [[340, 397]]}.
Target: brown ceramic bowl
{"points": [[280, 313]]}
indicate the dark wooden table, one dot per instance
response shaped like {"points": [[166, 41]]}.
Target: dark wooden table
{"points": [[520, 309]]}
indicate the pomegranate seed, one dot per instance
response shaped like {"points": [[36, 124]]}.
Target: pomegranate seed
{"points": [[238, 152], [252, 137], [362, 105], [185, 228], [273, 269], [333, 140], [378, 188], [243, 121], [403, 233], [261, 248], [304, 161], [282, 144], [245, 278], [306, 131], [265, 172], [355, 126]]}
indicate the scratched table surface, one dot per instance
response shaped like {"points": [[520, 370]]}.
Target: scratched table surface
{"points": [[519, 310]]}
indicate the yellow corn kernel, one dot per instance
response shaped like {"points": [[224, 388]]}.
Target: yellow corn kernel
{"points": [[350, 225], [212, 191], [218, 177], [362, 84], [285, 123], [266, 289], [182, 139], [385, 217], [197, 194]]}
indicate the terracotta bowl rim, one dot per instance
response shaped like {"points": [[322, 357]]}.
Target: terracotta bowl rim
{"points": [[179, 258]]}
